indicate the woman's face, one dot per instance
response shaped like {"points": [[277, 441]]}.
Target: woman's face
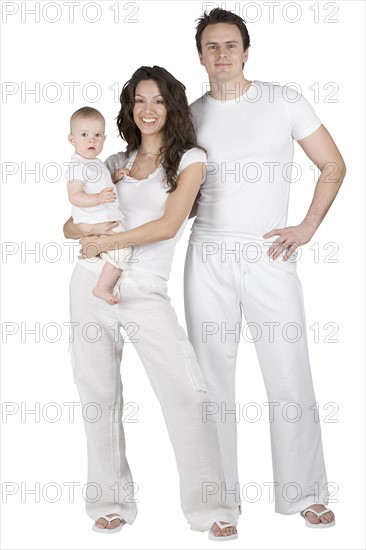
{"points": [[149, 111]]}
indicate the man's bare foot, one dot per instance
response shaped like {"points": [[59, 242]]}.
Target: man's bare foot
{"points": [[102, 523], [218, 530], [106, 295], [325, 518]]}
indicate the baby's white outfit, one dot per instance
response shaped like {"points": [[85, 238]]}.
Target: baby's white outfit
{"points": [[96, 177]]}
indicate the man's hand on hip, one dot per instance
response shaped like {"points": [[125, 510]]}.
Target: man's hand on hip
{"points": [[289, 238]]}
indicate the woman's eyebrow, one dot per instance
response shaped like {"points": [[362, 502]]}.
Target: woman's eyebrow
{"points": [[140, 95]]}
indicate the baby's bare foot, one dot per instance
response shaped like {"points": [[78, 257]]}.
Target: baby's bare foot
{"points": [[106, 295]]}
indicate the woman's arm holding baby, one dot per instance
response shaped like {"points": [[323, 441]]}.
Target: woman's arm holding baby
{"points": [[78, 230], [178, 206]]}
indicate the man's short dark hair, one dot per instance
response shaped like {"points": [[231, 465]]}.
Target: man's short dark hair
{"points": [[218, 15]]}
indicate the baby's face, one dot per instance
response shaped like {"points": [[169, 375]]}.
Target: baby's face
{"points": [[88, 136]]}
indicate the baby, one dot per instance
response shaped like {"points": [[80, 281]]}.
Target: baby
{"points": [[91, 192]]}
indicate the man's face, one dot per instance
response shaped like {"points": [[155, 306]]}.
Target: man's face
{"points": [[223, 52], [88, 136]]}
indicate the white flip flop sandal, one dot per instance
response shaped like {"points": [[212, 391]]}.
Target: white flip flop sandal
{"points": [[107, 531], [318, 514], [221, 526]]}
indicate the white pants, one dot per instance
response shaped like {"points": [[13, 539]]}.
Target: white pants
{"points": [[217, 287], [177, 380]]}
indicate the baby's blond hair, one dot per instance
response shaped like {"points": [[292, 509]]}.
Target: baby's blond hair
{"points": [[85, 112]]}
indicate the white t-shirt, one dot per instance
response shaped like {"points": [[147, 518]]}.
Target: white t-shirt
{"points": [[143, 201], [96, 177], [249, 142]]}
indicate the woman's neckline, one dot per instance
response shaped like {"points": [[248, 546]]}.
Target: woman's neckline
{"points": [[132, 160]]}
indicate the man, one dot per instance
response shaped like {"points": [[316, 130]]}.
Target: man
{"points": [[242, 256]]}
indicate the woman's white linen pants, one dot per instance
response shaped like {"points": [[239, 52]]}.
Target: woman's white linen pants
{"points": [[148, 318], [219, 286]]}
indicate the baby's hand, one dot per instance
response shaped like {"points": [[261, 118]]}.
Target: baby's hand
{"points": [[120, 174], [107, 194]]}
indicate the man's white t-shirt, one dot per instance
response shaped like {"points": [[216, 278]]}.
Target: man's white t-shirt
{"points": [[249, 142], [96, 177], [142, 201]]}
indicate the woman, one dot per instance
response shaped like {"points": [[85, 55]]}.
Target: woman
{"points": [[166, 169]]}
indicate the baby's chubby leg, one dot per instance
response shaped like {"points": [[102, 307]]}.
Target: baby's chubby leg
{"points": [[106, 282]]}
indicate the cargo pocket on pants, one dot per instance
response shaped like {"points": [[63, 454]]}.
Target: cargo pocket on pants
{"points": [[194, 370]]}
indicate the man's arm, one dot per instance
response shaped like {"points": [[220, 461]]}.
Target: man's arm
{"points": [[322, 151]]}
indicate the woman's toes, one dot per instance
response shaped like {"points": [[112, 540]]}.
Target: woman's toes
{"points": [[323, 519], [313, 518], [113, 524], [227, 531], [216, 530], [101, 523], [223, 532]]}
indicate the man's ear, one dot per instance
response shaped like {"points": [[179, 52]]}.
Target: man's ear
{"points": [[71, 138], [200, 58], [245, 55]]}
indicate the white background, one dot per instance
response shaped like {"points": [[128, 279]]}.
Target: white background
{"points": [[314, 54]]}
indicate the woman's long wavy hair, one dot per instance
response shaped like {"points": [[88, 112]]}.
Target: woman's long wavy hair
{"points": [[178, 131]]}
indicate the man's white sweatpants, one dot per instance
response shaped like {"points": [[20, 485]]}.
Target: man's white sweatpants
{"points": [[148, 318], [218, 285]]}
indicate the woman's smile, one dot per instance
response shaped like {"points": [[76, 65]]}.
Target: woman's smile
{"points": [[149, 111]]}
